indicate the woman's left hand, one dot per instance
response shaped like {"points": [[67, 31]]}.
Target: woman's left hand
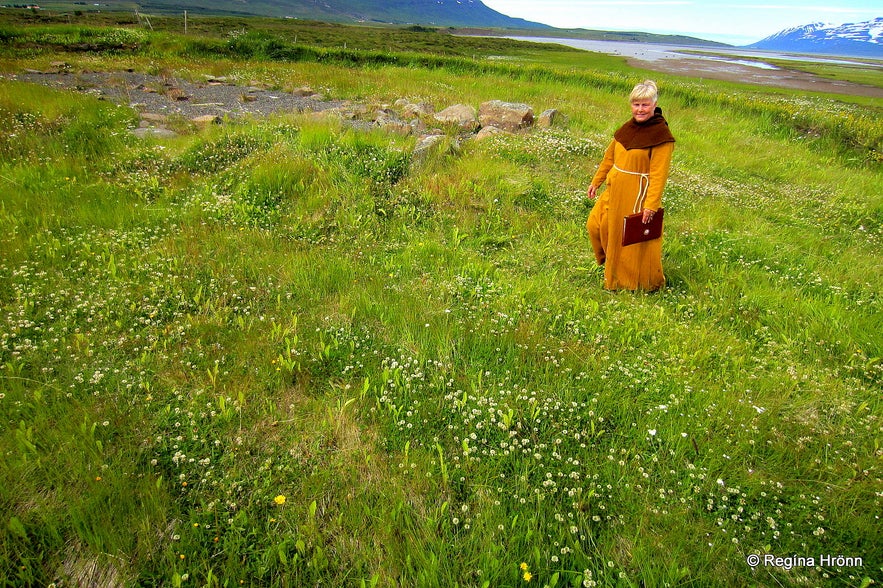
{"points": [[648, 215]]}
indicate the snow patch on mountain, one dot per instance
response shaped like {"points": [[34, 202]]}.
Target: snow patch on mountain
{"points": [[855, 39]]}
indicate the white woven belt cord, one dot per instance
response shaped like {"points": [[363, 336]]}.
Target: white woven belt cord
{"points": [[643, 186]]}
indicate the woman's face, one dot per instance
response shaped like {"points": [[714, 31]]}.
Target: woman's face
{"points": [[643, 109]]}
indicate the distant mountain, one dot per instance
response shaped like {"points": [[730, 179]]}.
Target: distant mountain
{"points": [[861, 39], [440, 13]]}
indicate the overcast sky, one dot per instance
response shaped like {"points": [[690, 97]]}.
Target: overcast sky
{"points": [[728, 21]]}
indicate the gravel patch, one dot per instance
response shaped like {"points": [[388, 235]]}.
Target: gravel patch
{"points": [[165, 96]]}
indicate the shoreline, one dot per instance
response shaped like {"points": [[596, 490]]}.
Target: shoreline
{"points": [[723, 64]]}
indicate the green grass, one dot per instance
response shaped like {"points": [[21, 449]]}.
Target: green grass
{"points": [[858, 73], [419, 355]]}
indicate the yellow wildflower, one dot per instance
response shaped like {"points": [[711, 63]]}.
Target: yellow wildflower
{"points": [[527, 576], [280, 500]]}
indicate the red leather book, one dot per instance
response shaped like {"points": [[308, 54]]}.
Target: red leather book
{"points": [[635, 231]]}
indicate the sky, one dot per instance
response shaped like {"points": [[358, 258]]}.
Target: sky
{"points": [[727, 21]]}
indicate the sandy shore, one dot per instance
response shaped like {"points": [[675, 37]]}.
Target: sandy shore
{"points": [[707, 69]]}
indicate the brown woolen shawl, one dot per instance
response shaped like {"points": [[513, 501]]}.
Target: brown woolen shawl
{"points": [[653, 131]]}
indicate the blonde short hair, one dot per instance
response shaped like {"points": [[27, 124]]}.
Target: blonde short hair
{"points": [[646, 90]]}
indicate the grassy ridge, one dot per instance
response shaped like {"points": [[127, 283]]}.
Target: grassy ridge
{"points": [[285, 352]]}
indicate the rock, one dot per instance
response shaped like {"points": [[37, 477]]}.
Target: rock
{"points": [[417, 110], [152, 117], [426, 144], [461, 115], [352, 111], [387, 120], [177, 94], [547, 118], [396, 126], [206, 120], [509, 116], [303, 91], [486, 132], [154, 132], [383, 114]]}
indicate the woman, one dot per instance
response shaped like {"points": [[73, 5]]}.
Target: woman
{"points": [[635, 167]]}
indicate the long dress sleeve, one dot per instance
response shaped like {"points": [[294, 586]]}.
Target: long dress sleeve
{"points": [[605, 166], [660, 163]]}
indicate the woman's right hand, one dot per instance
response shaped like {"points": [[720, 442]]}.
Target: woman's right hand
{"points": [[592, 191]]}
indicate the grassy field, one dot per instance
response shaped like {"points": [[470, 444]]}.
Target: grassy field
{"points": [[284, 352]]}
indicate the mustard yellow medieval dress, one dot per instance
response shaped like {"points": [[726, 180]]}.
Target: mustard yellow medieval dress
{"points": [[635, 180]]}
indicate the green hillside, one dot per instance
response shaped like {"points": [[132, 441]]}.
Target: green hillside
{"points": [[425, 12], [470, 18]]}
